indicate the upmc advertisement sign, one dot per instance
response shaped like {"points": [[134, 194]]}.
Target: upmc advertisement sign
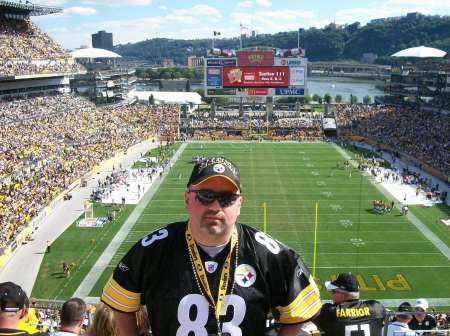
{"points": [[255, 58], [214, 76], [256, 76]]}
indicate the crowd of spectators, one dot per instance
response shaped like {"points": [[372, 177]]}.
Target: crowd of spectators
{"points": [[422, 135], [289, 125], [25, 50], [50, 141]]}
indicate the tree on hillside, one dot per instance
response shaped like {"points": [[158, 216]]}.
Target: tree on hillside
{"points": [[327, 98], [353, 99], [338, 98]]}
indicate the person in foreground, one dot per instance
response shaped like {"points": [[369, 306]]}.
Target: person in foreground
{"points": [[347, 315], [12, 308], [72, 316], [210, 275]]}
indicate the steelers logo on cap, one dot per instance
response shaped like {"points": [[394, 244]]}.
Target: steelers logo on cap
{"points": [[219, 168], [245, 275]]}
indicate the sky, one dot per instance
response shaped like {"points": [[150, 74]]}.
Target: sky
{"points": [[137, 20]]}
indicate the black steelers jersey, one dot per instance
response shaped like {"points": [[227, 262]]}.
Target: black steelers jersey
{"points": [[157, 272], [428, 323], [351, 318]]}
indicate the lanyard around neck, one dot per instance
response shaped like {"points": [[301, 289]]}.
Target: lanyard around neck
{"points": [[200, 274]]}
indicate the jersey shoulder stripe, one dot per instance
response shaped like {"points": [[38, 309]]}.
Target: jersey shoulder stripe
{"points": [[119, 298]]}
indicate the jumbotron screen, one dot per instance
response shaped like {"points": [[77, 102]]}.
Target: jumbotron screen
{"points": [[274, 76]]}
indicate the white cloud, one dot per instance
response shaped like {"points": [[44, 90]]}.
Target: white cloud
{"points": [[245, 4], [201, 11], [121, 3], [264, 3], [83, 11], [162, 7]]}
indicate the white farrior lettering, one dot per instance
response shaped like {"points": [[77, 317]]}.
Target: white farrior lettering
{"points": [[268, 242], [161, 234], [197, 326]]}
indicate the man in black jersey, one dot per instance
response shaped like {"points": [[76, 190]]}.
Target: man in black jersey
{"points": [[210, 275], [347, 315]]}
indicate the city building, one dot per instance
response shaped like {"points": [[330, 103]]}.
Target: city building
{"points": [[194, 61], [102, 40]]}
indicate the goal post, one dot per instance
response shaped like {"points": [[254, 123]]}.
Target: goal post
{"points": [[88, 210]]}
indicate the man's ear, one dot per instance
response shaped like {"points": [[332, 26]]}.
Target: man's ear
{"points": [[23, 312], [186, 199]]}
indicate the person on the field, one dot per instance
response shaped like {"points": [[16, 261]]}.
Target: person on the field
{"points": [[72, 317], [210, 275], [347, 315]]}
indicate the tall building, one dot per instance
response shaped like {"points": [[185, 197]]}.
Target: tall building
{"points": [[102, 40]]}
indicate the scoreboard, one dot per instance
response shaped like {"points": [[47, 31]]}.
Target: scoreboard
{"points": [[255, 73]]}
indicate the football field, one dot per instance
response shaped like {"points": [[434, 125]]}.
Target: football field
{"points": [[390, 256]]}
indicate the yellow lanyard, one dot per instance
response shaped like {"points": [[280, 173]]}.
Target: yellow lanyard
{"points": [[201, 274]]}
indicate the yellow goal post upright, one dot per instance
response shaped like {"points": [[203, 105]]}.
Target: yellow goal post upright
{"points": [[88, 209], [316, 224]]}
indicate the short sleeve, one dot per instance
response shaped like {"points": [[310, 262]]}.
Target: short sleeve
{"points": [[122, 292], [300, 294]]}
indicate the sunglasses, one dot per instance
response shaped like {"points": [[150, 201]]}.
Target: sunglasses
{"points": [[207, 197]]}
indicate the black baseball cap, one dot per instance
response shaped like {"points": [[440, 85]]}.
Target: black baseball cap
{"points": [[405, 307], [345, 281], [12, 297], [215, 166]]}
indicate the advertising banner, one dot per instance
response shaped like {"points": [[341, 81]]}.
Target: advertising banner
{"points": [[297, 76], [255, 58], [214, 76], [221, 62], [221, 92], [256, 76], [292, 62], [289, 91], [256, 91]]}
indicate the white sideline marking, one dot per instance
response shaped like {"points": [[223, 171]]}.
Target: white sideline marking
{"points": [[102, 263], [392, 266], [439, 244]]}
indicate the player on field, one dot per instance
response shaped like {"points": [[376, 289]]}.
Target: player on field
{"points": [[210, 275], [347, 315]]}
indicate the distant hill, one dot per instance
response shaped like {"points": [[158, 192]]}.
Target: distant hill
{"points": [[348, 42]]}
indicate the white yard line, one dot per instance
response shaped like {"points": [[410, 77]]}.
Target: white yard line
{"points": [[439, 244], [102, 263]]}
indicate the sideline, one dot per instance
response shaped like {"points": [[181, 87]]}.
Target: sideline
{"points": [[102, 263], [439, 244], [24, 265]]}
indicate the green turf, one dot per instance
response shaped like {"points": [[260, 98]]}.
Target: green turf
{"points": [[75, 245], [390, 256]]}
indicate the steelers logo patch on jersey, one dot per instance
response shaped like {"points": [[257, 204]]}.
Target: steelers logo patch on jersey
{"points": [[245, 275], [219, 168], [211, 266]]}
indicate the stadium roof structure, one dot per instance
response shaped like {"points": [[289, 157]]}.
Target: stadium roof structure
{"points": [[420, 52], [94, 53], [165, 97], [27, 8]]}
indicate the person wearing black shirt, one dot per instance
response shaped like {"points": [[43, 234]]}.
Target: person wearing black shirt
{"points": [[210, 275], [347, 315], [421, 320]]}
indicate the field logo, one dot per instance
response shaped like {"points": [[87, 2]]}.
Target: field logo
{"points": [[245, 275]]}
